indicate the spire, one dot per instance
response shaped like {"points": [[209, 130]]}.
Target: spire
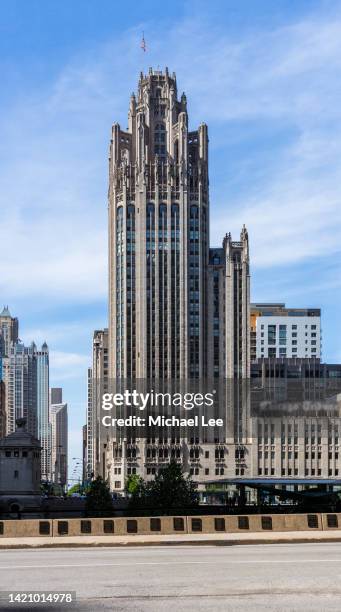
{"points": [[5, 312], [244, 234]]}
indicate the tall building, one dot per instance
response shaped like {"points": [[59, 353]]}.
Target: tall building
{"points": [[2, 410], [277, 331], [59, 438], [158, 237], [85, 475], [8, 331], [25, 373], [97, 384], [56, 395], [177, 309], [42, 364], [228, 311], [19, 373]]}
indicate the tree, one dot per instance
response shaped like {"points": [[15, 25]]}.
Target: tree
{"points": [[98, 498], [169, 489], [76, 488], [134, 484]]}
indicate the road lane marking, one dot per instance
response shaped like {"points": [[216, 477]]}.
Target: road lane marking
{"points": [[220, 562]]}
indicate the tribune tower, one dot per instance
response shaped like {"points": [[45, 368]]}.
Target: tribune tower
{"points": [[158, 237]]}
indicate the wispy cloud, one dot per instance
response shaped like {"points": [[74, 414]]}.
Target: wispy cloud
{"points": [[54, 147], [65, 365]]}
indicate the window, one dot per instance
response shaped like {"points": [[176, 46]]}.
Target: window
{"points": [[272, 334], [16, 474]]}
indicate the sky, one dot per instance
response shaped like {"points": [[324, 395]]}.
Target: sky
{"points": [[265, 76]]}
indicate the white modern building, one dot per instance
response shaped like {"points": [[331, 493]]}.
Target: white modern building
{"points": [[59, 438], [277, 331]]}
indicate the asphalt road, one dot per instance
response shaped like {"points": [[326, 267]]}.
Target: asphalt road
{"points": [[290, 577]]}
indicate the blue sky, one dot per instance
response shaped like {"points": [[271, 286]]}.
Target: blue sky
{"points": [[265, 76]]}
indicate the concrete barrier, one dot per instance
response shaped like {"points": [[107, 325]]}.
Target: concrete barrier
{"points": [[169, 525], [274, 522], [163, 525], [26, 528]]}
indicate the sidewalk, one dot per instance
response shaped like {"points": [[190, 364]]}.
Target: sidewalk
{"points": [[213, 539]]}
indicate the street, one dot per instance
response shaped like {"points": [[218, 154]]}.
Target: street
{"points": [[273, 577]]}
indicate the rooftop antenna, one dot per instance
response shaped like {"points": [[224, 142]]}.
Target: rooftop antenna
{"points": [[143, 43]]}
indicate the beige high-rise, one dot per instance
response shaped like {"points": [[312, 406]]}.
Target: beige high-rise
{"points": [[158, 237], [174, 311]]}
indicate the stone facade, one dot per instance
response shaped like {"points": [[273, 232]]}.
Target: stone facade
{"points": [[19, 470]]}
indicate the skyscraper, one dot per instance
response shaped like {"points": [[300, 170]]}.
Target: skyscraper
{"points": [[97, 384], [2, 410], [158, 237], [177, 309], [25, 373], [42, 364], [19, 373], [229, 309], [56, 395], [59, 437], [8, 331]]}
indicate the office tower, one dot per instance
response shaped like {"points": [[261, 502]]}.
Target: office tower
{"points": [[42, 364], [2, 410], [158, 237], [84, 452], [277, 331], [59, 438], [56, 395], [97, 385], [25, 373], [8, 331], [91, 426], [19, 372], [228, 309], [175, 312]]}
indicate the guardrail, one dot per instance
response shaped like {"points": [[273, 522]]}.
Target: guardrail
{"points": [[167, 525]]}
